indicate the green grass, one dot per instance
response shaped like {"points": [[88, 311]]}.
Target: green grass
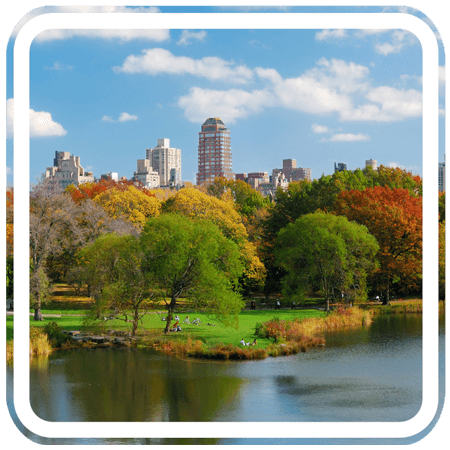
{"points": [[210, 335]]}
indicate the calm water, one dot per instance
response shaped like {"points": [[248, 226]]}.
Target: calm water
{"points": [[370, 374]]}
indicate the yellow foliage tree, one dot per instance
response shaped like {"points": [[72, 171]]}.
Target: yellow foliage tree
{"points": [[198, 205], [130, 204]]}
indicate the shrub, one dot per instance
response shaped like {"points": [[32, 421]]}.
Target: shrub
{"points": [[39, 343], [55, 334]]}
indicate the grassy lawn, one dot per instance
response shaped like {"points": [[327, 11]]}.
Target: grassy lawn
{"points": [[152, 325]]}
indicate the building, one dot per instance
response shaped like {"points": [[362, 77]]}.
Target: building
{"points": [[166, 161], [372, 163], [441, 176], [214, 151], [146, 175], [292, 172], [255, 179], [67, 170], [113, 176], [340, 167], [241, 177]]}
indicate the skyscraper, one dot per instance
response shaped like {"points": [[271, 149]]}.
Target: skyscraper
{"points": [[214, 151], [166, 161]]}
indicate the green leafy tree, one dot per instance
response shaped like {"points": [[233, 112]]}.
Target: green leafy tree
{"points": [[112, 268], [327, 252], [192, 258]]}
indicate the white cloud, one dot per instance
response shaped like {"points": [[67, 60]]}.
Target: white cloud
{"points": [[441, 76], [320, 129], [347, 137], [158, 61], [394, 165], [400, 39], [41, 123], [122, 34], [326, 35], [332, 87], [187, 36], [9, 171], [228, 105], [398, 104], [124, 117], [58, 66]]}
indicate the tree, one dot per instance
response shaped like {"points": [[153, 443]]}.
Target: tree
{"points": [[325, 251], [199, 206], [394, 217], [192, 258], [304, 197], [112, 268], [131, 205], [51, 218], [441, 260], [246, 199]]}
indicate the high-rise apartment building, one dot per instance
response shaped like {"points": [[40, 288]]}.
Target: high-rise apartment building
{"points": [[166, 161], [214, 151], [441, 176]]}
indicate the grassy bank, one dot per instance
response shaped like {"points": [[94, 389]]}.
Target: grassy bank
{"points": [[39, 345], [278, 332]]}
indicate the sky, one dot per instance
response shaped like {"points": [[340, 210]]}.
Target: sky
{"points": [[317, 96]]}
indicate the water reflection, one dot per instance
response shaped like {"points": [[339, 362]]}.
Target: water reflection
{"points": [[371, 375]]}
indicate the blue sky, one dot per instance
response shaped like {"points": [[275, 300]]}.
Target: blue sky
{"points": [[317, 96]]}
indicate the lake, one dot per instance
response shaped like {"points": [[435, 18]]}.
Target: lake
{"points": [[365, 374]]}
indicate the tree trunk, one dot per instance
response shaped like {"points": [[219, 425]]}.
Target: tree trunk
{"points": [[386, 300], [37, 309], [38, 314]]}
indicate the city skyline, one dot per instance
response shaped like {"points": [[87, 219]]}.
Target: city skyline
{"points": [[317, 96]]}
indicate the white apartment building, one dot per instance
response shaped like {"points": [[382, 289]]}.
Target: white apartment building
{"points": [[146, 175], [441, 176], [166, 161], [67, 170]]}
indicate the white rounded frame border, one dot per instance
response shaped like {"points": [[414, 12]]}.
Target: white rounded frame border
{"points": [[430, 380]]}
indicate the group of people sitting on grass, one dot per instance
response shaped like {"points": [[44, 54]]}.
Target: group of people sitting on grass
{"points": [[177, 327], [248, 343]]}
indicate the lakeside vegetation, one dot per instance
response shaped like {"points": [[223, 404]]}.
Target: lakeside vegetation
{"points": [[278, 332], [115, 257]]}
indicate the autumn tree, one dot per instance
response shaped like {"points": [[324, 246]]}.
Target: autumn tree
{"points": [[58, 228], [197, 205], [246, 199], [89, 222], [112, 268], [92, 189], [328, 252], [130, 204], [305, 197], [9, 243], [441, 260], [394, 217], [192, 258], [51, 217]]}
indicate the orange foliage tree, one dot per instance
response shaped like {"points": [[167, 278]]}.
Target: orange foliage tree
{"points": [[93, 189], [394, 217]]}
